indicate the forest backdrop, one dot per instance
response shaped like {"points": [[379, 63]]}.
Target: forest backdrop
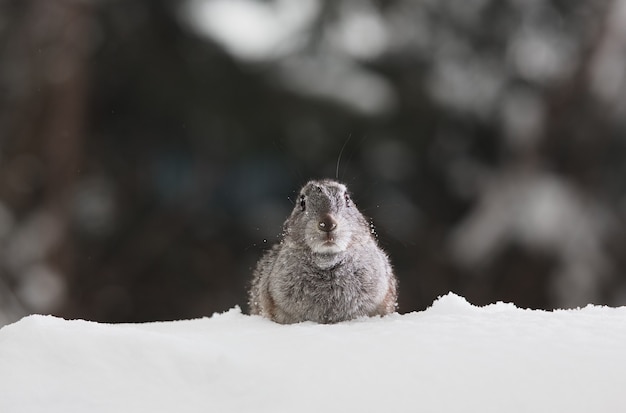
{"points": [[150, 150]]}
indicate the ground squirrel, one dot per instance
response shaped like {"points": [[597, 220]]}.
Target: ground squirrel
{"points": [[328, 266]]}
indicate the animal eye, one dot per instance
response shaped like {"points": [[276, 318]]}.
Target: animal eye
{"points": [[302, 202], [347, 200]]}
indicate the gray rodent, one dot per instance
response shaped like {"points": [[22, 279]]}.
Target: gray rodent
{"points": [[328, 266]]}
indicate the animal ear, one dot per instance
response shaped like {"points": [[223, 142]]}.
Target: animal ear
{"points": [[302, 202]]}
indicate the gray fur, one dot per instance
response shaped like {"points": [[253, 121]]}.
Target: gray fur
{"points": [[323, 273]]}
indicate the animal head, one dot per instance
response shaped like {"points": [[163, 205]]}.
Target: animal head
{"points": [[325, 218]]}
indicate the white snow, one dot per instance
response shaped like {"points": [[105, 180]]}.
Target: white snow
{"points": [[253, 30], [452, 357]]}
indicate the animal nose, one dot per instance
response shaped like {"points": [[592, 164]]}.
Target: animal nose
{"points": [[327, 223]]}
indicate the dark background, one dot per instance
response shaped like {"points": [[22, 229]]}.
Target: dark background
{"points": [[150, 150]]}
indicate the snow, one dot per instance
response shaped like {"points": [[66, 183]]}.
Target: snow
{"points": [[252, 30], [452, 357]]}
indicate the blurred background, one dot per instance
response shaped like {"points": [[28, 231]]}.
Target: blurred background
{"points": [[150, 150]]}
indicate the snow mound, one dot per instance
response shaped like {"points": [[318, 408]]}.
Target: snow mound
{"points": [[452, 357]]}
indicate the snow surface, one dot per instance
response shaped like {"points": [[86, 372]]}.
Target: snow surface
{"points": [[452, 357]]}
